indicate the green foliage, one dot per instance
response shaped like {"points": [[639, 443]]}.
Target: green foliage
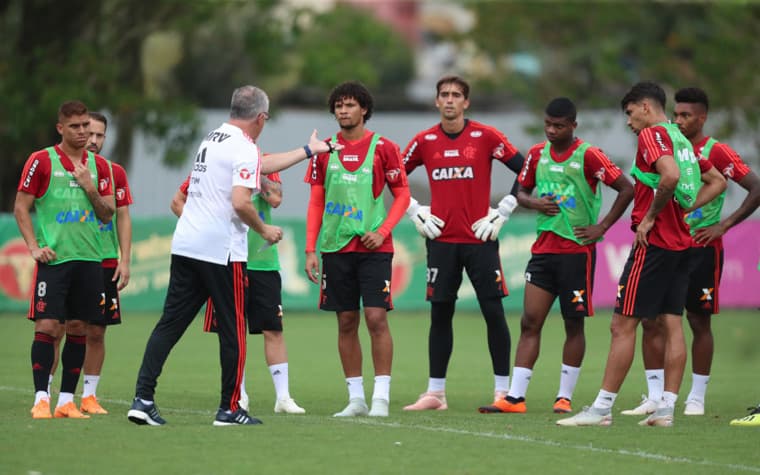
{"points": [[349, 44]]}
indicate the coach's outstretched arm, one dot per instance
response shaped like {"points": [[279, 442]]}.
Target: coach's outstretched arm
{"points": [[280, 161]]}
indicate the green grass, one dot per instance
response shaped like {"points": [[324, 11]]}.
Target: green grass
{"points": [[457, 441]]}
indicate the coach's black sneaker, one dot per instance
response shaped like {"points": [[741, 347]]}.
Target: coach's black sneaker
{"points": [[145, 414], [237, 418]]}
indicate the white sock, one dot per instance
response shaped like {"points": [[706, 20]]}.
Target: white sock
{"points": [[520, 381], [64, 398], [668, 400], [39, 396], [568, 378], [604, 400], [500, 383], [436, 385], [243, 392], [355, 387], [382, 387], [90, 385], [655, 383], [698, 387], [279, 374], [50, 382]]}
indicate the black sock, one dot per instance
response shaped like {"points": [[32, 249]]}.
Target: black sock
{"points": [[43, 353], [72, 359]]}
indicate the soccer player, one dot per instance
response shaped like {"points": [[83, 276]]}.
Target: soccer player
{"points": [[70, 189], [210, 248], [347, 217], [461, 231], [117, 247], [565, 171], [706, 256], [264, 295], [654, 280]]}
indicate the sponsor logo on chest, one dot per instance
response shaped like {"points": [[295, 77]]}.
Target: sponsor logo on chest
{"points": [[452, 173]]}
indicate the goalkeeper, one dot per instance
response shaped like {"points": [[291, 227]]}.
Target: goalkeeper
{"points": [[461, 231], [565, 173]]}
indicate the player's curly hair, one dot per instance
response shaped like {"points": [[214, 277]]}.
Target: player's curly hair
{"points": [[561, 107], [352, 90]]}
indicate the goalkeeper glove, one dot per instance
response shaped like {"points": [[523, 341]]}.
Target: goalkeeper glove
{"points": [[489, 226], [428, 225]]}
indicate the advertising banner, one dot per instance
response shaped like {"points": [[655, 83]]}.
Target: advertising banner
{"points": [[151, 249]]}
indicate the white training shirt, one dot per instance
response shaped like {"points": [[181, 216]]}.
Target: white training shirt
{"points": [[209, 229]]}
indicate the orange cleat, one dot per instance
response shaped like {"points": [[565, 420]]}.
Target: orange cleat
{"points": [[69, 410], [90, 405], [41, 410], [434, 400], [562, 406], [507, 405]]}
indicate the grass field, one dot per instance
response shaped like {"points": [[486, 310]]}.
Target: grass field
{"points": [[457, 441]]}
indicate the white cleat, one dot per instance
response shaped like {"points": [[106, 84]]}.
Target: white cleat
{"points": [[379, 408], [288, 406], [356, 407], [662, 417], [694, 408], [589, 416], [646, 407], [244, 401]]}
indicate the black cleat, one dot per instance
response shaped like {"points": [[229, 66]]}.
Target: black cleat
{"points": [[237, 418], [144, 414]]}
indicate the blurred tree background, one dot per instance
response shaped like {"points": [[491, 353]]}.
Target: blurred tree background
{"points": [[153, 64]]}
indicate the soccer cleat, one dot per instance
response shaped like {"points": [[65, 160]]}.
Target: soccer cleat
{"points": [[662, 417], [356, 407], [41, 410], [750, 420], [562, 406], [694, 408], [144, 414], [647, 406], [508, 405], [69, 410], [589, 416], [379, 408], [428, 401], [245, 402], [237, 418], [90, 405], [288, 406]]}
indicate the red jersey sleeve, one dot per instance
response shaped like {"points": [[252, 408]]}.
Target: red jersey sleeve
{"points": [[315, 174], [597, 166], [412, 156], [527, 178], [121, 186], [503, 150], [185, 185], [105, 184], [36, 175], [654, 142], [728, 162], [391, 167]]}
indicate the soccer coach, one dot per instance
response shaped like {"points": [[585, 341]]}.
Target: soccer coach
{"points": [[210, 251]]}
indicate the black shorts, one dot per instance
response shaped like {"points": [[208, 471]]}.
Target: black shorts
{"points": [[72, 290], [568, 276], [705, 270], [348, 277], [446, 260], [264, 310], [112, 311], [653, 282]]}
